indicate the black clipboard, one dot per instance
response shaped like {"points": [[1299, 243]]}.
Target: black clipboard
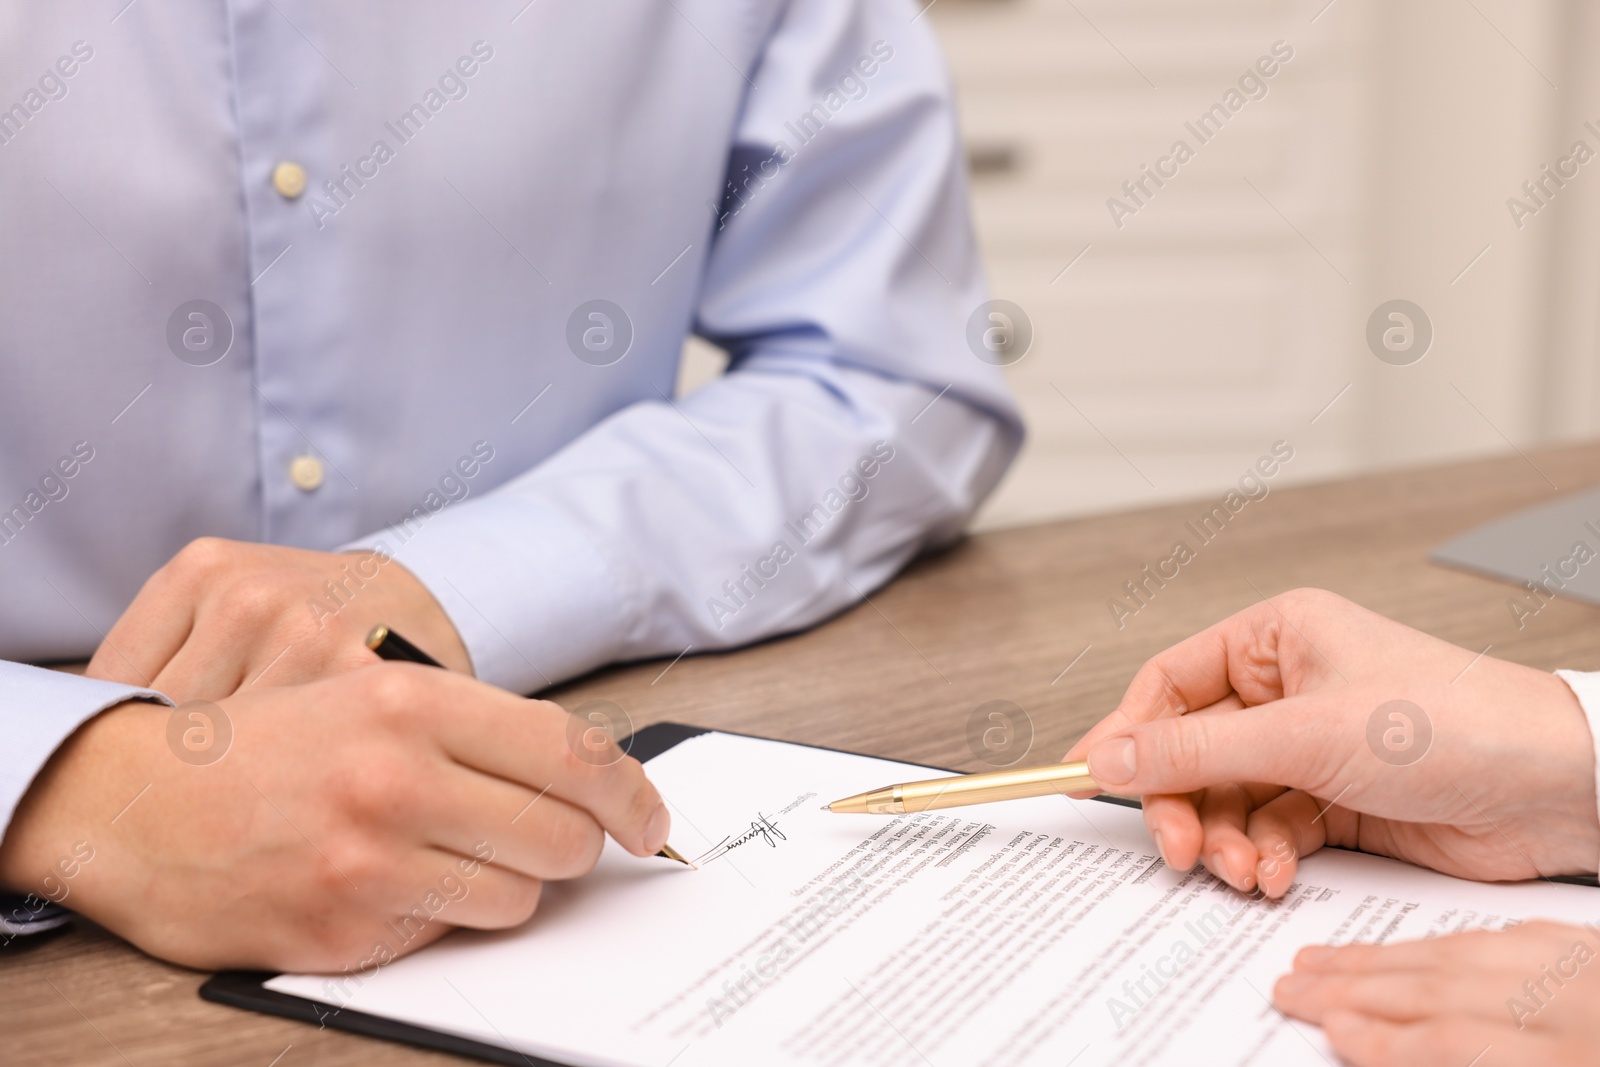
{"points": [[247, 989]]}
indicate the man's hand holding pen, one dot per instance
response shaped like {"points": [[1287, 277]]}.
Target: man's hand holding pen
{"points": [[347, 803]]}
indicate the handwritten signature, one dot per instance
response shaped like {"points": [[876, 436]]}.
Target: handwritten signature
{"points": [[761, 829]]}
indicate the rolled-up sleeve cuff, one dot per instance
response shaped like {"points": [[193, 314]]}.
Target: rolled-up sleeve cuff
{"points": [[1586, 687], [21, 915], [39, 709], [534, 600]]}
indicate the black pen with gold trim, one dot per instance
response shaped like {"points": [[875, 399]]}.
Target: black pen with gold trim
{"points": [[391, 646]]}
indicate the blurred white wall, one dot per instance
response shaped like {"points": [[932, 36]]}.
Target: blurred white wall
{"points": [[1230, 310]]}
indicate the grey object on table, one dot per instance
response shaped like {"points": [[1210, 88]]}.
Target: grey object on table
{"points": [[1540, 544]]}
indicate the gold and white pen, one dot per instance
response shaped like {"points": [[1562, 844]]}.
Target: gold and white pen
{"points": [[962, 789]]}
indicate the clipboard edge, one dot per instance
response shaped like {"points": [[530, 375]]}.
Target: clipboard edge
{"points": [[247, 989]]}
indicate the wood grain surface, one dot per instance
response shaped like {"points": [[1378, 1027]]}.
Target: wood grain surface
{"points": [[998, 617]]}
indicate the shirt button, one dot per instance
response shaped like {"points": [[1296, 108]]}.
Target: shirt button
{"points": [[306, 473], [289, 179]]}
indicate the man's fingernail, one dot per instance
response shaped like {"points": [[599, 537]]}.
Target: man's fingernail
{"points": [[1219, 867], [1112, 762], [1160, 848], [655, 835]]}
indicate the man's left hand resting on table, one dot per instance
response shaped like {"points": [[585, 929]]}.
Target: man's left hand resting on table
{"points": [[223, 615]]}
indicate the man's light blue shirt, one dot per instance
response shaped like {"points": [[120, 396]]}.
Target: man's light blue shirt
{"points": [[460, 339]]}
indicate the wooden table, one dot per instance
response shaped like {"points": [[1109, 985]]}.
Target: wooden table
{"points": [[999, 617]]}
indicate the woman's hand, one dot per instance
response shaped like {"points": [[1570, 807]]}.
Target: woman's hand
{"points": [[1521, 996], [1307, 720]]}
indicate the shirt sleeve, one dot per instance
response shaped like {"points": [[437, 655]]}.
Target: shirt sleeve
{"points": [[1585, 685], [39, 709], [855, 425], [29, 913]]}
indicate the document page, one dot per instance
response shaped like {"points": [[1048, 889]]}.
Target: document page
{"points": [[1042, 931]]}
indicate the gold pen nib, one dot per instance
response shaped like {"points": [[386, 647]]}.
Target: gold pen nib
{"points": [[670, 853]]}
